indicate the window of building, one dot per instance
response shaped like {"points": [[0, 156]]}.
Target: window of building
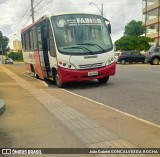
{"points": [[151, 2], [152, 29], [152, 14]]}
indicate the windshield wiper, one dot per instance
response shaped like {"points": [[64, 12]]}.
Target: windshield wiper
{"points": [[89, 44], [78, 47]]}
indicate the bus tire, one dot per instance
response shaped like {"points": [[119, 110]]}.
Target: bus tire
{"points": [[36, 75], [123, 61], [103, 80], [57, 80]]}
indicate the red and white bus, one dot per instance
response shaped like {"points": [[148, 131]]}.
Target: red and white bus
{"points": [[69, 47]]}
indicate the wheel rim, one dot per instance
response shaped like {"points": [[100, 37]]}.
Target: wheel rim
{"points": [[156, 61], [57, 79], [123, 61]]}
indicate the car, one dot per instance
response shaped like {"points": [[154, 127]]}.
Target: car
{"points": [[130, 57], [153, 55], [8, 61]]}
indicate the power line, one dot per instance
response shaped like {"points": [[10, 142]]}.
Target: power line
{"points": [[22, 17], [33, 7], [99, 4], [20, 28], [8, 26], [10, 17], [37, 4], [45, 4]]}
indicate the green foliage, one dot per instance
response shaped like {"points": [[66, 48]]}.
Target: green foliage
{"points": [[16, 56], [134, 28], [132, 39], [4, 41], [137, 43]]}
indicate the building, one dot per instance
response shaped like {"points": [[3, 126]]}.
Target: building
{"points": [[151, 19], [17, 45]]}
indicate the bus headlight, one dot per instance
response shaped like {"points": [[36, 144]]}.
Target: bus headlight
{"points": [[109, 61], [66, 65]]}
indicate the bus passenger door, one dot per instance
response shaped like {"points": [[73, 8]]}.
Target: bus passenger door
{"points": [[39, 58], [43, 60], [52, 52]]}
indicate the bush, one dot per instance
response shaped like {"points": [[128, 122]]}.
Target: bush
{"points": [[16, 56]]}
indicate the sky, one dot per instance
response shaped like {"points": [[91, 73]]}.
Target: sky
{"points": [[16, 14]]}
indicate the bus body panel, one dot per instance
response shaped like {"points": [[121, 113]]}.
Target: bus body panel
{"points": [[42, 62], [35, 60], [67, 75]]}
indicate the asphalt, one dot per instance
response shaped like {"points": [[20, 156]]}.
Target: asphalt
{"points": [[41, 117]]}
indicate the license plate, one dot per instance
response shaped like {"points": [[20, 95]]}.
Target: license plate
{"points": [[93, 73]]}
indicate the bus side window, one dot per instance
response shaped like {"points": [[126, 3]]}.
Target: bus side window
{"points": [[34, 38], [23, 42], [51, 43], [39, 38]]}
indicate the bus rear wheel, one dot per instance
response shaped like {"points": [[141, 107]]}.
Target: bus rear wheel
{"points": [[103, 80], [58, 80]]}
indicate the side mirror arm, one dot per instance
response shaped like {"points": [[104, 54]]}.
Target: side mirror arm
{"points": [[109, 25]]}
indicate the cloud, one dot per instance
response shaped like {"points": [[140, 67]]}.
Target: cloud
{"points": [[119, 12]]}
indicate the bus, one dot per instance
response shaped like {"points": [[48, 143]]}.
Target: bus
{"points": [[69, 47]]}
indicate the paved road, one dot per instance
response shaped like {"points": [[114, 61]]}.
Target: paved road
{"points": [[135, 90]]}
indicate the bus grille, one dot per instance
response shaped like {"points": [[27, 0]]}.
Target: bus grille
{"points": [[91, 66]]}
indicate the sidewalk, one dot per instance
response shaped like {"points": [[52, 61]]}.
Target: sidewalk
{"points": [[37, 116], [2, 107]]}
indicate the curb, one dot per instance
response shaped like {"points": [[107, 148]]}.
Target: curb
{"points": [[2, 107]]}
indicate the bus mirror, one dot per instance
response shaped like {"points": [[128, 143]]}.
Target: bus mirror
{"points": [[109, 28], [109, 25]]}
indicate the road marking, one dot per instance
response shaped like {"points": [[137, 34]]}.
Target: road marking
{"points": [[24, 73], [127, 114]]}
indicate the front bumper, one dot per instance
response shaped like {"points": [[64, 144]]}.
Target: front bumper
{"points": [[67, 75]]}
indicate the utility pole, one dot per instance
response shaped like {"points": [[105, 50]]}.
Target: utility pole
{"points": [[102, 9], [2, 52], [32, 11], [158, 42]]}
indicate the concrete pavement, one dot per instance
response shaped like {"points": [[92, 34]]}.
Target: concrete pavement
{"points": [[2, 106], [38, 116]]}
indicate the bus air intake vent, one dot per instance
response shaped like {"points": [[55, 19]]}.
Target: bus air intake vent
{"points": [[90, 66]]}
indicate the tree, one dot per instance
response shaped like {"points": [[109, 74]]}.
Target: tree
{"points": [[137, 43], [134, 28], [4, 41], [16, 56]]}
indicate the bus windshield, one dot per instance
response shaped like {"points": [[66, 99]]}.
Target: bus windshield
{"points": [[81, 34]]}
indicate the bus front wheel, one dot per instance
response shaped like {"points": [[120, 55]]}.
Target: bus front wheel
{"points": [[103, 80], [58, 80]]}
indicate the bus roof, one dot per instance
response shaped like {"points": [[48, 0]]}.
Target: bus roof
{"points": [[50, 15], [31, 25]]}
